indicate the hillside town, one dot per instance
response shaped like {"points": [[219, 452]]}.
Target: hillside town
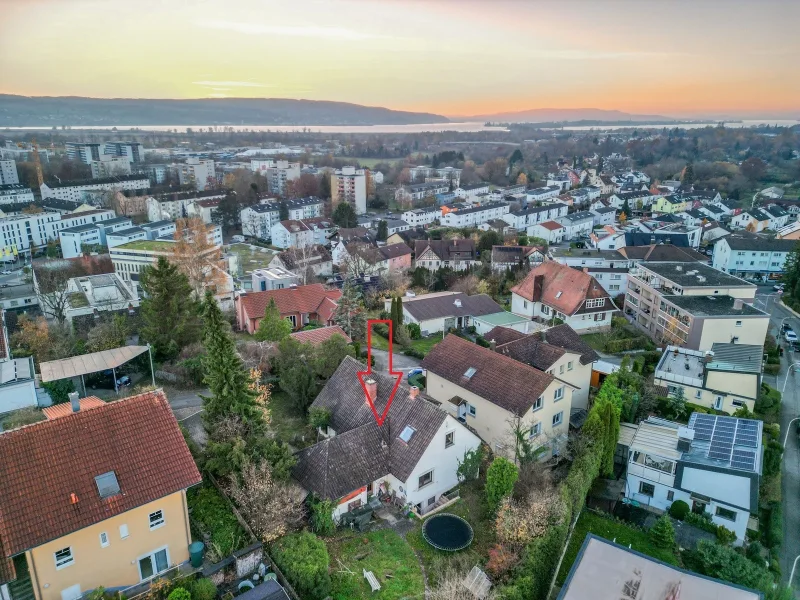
{"points": [[353, 367]]}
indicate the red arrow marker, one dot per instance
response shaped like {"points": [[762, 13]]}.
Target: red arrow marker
{"points": [[379, 419]]}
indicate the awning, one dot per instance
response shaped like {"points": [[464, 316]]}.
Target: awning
{"points": [[89, 363]]}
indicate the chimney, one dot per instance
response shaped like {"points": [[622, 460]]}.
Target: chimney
{"points": [[544, 336], [738, 304], [492, 345], [73, 498], [74, 400], [709, 356], [585, 269], [414, 393], [685, 438], [372, 389]]}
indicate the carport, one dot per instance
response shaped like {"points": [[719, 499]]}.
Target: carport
{"points": [[85, 364]]}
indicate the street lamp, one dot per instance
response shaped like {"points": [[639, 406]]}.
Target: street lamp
{"points": [[786, 379]]}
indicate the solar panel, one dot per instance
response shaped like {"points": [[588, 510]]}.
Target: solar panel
{"points": [[747, 433], [703, 426], [744, 459]]}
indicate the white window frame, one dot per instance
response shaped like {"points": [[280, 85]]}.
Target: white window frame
{"points": [[560, 417], [424, 485], [538, 404], [104, 540], [124, 533], [558, 394], [452, 436], [151, 556], [569, 366], [64, 561], [471, 410], [157, 522], [536, 430]]}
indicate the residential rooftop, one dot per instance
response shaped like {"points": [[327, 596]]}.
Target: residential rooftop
{"points": [[714, 306], [743, 240], [694, 275], [146, 245]]}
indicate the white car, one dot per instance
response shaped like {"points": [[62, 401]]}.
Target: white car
{"points": [[6, 272], [790, 336]]}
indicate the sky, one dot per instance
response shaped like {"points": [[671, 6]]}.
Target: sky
{"points": [[451, 57]]}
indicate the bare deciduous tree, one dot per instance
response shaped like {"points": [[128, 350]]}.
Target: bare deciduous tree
{"points": [[197, 256], [451, 587], [270, 507]]}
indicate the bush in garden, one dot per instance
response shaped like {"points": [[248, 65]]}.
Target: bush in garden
{"points": [[414, 331], [203, 589], [500, 480], [304, 560], [662, 534], [725, 535], [179, 593], [679, 509], [322, 516]]}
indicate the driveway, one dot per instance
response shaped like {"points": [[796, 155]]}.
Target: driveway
{"points": [[400, 362], [790, 409], [187, 406]]}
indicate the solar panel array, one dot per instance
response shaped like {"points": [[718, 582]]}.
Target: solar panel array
{"points": [[724, 433]]}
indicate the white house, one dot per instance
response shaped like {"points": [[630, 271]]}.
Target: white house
{"points": [[713, 464], [257, 220], [577, 224], [543, 193], [78, 190], [471, 191], [14, 193], [413, 457], [475, 215], [603, 216], [420, 217], [442, 311], [550, 231], [522, 219], [291, 233], [752, 256], [608, 267], [554, 291]]}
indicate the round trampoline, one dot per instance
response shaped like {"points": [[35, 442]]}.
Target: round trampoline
{"points": [[447, 532]]}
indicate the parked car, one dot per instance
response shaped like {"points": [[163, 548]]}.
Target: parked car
{"points": [[6, 272], [237, 239], [123, 381], [790, 336], [412, 372], [778, 287], [786, 327]]}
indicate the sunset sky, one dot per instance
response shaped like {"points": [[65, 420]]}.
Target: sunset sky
{"points": [[453, 57]]}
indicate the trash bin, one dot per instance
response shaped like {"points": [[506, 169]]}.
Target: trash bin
{"points": [[196, 554]]}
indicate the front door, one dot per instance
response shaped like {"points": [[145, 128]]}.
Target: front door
{"points": [[71, 593], [698, 507], [153, 564]]}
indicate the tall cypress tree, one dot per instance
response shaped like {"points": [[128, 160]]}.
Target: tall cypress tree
{"points": [[169, 310]]}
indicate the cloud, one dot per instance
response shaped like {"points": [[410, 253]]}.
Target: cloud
{"points": [[590, 55], [226, 85], [312, 31]]}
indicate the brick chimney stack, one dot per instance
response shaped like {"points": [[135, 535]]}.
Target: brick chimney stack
{"points": [[372, 389], [414, 393]]}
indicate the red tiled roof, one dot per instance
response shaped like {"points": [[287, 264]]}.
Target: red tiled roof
{"points": [[319, 335], [43, 465], [501, 380], [551, 225], [559, 286], [62, 410], [300, 299]]}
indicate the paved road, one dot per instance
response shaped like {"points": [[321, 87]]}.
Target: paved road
{"points": [[399, 361], [790, 408]]}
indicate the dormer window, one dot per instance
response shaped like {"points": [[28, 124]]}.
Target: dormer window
{"points": [[107, 484], [470, 372]]}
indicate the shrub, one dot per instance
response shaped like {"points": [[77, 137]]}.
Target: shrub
{"points": [[179, 593], [413, 352], [417, 380], [501, 560], [59, 390], [662, 534], [725, 535], [774, 532], [772, 369], [500, 480], [381, 329], [481, 341], [772, 458], [679, 509], [471, 330], [322, 516], [304, 560], [723, 562], [754, 551], [414, 331], [701, 521], [203, 589]]}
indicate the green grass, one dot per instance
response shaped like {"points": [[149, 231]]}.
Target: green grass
{"points": [[384, 553], [148, 245], [472, 508], [591, 522], [423, 345], [596, 340], [212, 515], [288, 422]]}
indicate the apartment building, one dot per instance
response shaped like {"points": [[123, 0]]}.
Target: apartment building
{"points": [[714, 464], [79, 191], [577, 225], [543, 193], [416, 192], [608, 267], [21, 231], [350, 185], [84, 152], [73, 239], [475, 215], [123, 236], [15, 193], [109, 226], [198, 172], [751, 256], [420, 217], [278, 173], [110, 166], [472, 191], [159, 229], [176, 206], [133, 151], [693, 305], [522, 219], [257, 220], [292, 234], [448, 174], [8, 172], [727, 377]]}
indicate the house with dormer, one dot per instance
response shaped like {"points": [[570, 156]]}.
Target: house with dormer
{"points": [[554, 291], [94, 496], [457, 255], [412, 456]]}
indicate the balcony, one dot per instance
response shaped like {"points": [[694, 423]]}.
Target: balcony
{"points": [[651, 474]]}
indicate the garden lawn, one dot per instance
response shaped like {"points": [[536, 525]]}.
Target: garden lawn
{"points": [[423, 345], [384, 553], [288, 422], [472, 508], [608, 528], [210, 514]]}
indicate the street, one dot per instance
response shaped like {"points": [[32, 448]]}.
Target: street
{"points": [[790, 409]]}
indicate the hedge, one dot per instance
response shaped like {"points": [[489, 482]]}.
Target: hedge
{"points": [[303, 558]]}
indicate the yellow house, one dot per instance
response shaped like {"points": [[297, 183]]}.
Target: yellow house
{"points": [[725, 378], [491, 393], [93, 496], [670, 204]]}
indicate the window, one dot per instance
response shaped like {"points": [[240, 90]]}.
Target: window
{"points": [[536, 429], [698, 394], [670, 496], [718, 403], [425, 479], [569, 366], [153, 564], [156, 519], [524, 304], [558, 394], [738, 403], [647, 489], [558, 418], [545, 310], [538, 404], [561, 370], [472, 410], [103, 539], [293, 321], [724, 513], [449, 439], [63, 557], [738, 323], [107, 484], [123, 531]]}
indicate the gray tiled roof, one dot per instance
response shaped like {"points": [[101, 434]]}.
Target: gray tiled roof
{"points": [[423, 308], [736, 357], [743, 240]]}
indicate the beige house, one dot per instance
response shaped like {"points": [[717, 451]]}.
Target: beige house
{"points": [[726, 378], [94, 496], [490, 392]]}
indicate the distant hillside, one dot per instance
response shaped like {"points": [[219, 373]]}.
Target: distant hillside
{"points": [[543, 115], [23, 111]]}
